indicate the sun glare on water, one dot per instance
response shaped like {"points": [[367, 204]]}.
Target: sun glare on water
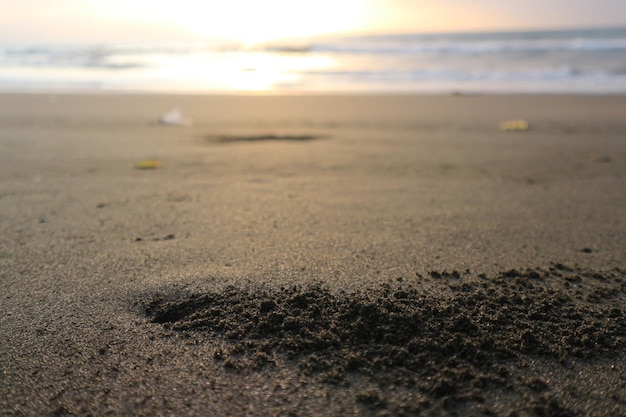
{"points": [[249, 23], [245, 72]]}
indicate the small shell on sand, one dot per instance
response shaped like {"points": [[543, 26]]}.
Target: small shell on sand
{"points": [[175, 117]]}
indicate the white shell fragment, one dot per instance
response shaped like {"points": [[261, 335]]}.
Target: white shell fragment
{"points": [[175, 117]]}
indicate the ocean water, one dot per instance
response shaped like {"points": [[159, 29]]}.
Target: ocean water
{"points": [[573, 61]]}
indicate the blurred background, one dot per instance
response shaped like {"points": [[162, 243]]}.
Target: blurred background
{"points": [[322, 46]]}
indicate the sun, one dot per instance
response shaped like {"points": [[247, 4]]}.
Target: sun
{"points": [[254, 21], [248, 21]]}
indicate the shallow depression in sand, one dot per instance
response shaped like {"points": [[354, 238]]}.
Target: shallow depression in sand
{"points": [[263, 138]]}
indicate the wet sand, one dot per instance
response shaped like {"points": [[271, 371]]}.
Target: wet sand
{"points": [[315, 255]]}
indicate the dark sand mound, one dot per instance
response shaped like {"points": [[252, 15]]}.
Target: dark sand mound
{"points": [[450, 343]]}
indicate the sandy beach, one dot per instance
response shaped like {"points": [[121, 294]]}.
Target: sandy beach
{"points": [[312, 255]]}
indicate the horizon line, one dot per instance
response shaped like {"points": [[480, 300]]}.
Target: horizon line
{"points": [[192, 39]]}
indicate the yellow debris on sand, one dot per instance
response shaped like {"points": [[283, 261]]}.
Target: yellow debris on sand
{"points": [[148, 164], [514, 125]]}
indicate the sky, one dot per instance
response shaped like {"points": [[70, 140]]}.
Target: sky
{"points": [[253, 21]]}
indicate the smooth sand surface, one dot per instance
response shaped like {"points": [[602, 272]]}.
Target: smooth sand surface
{"points": [[371, 213]]}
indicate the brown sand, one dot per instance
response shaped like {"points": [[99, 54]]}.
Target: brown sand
{"points": [[354, 255]]}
